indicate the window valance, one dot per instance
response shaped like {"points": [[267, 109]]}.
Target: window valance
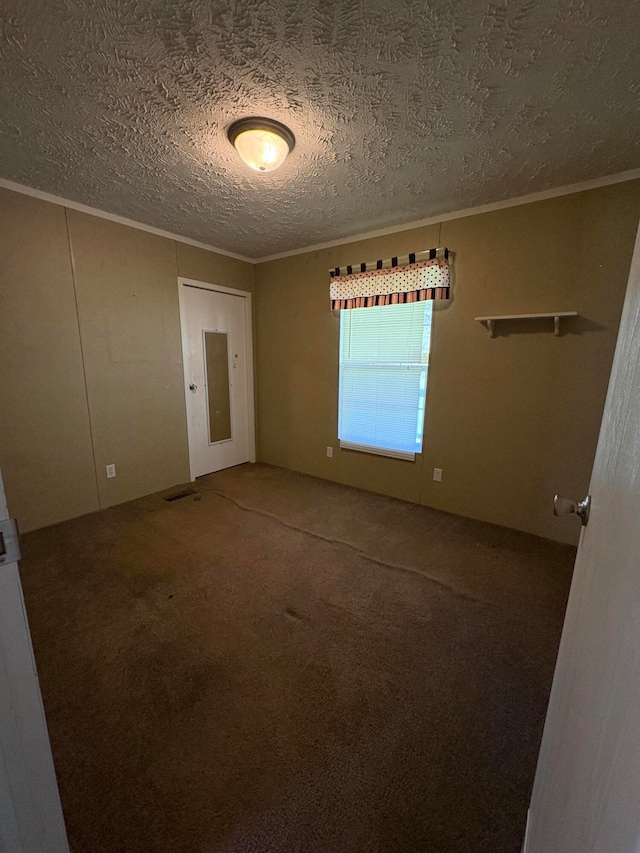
{"points": [[412, 278]]}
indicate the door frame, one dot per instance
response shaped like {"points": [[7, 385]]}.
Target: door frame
{"points": [[248, 323]]}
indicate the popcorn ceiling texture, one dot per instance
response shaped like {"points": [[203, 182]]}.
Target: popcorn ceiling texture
{"points": [[401, 110]]}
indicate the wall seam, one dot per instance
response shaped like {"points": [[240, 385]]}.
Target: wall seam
{"points": [[84, 366], [254, 333]]}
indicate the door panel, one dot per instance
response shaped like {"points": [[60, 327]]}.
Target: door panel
{"points": [[30, 814], [214, 340], [585, 796]]}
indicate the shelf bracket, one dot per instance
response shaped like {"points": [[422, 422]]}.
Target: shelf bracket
{"points": [[556, 325], [492, 328]]}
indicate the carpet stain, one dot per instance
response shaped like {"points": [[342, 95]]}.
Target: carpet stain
{"points": [[290, 613]]}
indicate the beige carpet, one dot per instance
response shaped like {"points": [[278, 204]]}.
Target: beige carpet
{"points": [[278, 663]]}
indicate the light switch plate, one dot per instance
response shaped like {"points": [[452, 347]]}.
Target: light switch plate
{"points": [[437, 475], [330, 452], [111, 471]]}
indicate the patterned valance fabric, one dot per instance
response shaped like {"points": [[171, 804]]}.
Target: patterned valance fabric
{"points": [[412, 278]]}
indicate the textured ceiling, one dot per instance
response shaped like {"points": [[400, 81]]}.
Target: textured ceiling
{"points": [[402, 109]]}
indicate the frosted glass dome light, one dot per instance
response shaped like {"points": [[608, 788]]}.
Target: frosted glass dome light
{"points": [[262, 143]]}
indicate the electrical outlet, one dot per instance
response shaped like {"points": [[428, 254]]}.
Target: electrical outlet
{"points": [[437, 475], [111, 471], [330, 452]]}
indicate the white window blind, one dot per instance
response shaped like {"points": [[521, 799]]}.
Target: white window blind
{"points": [[384, 354]]}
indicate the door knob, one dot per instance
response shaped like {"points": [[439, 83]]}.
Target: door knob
{"points": [[563, 506], [193, 387]]}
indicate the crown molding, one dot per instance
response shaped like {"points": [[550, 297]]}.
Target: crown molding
{"points": [[121, 220], [543, 195], [595, 183]]}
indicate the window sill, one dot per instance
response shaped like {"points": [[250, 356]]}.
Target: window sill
{"points": [[379, 451]]}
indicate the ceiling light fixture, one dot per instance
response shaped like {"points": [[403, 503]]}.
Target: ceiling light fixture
{"points": [[262, 143]]}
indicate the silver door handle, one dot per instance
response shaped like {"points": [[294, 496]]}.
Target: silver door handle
{"points": [[193, 387], [563, 506]]}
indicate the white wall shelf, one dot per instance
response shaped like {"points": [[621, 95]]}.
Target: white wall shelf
{"points": [[491, 321]]}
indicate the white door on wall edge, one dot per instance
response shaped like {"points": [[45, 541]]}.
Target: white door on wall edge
{"points": [[217, 356], [587, 784], [31, 818]]}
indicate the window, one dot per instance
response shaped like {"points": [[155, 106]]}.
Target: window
{"points": [[384, 355]]}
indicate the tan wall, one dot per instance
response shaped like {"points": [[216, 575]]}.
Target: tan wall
{"points": [[45, 445], [127, 321], [201, 265], [510, 420], [130, 326]]}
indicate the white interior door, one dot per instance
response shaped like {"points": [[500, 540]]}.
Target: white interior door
{"points": [[30, 814], [216, 335], [586, 796]]}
